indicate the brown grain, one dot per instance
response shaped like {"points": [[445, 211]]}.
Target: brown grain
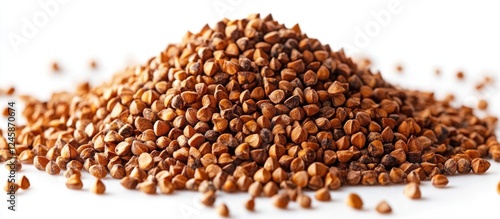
{"points": [[270, 189], [98, 187], [354, 201], [223, 210], [322, 195], [52, 168], [129, 182], [92, 64], [147, 187], [250, 204], [24, 183], [11, 187], [412, 191], [281, 201], [55, 66], [383, 208], [255, 189], [439, 181], [74, 182], [98, 171], [482, 105], [480, 166], [304, 201], [208, 198]]}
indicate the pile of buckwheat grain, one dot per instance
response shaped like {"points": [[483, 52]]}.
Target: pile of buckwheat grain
{"points": [[250, 105]]}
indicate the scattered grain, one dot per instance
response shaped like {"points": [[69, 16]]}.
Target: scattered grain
{"points": [[24, 183], [354, 201], [383, 208], [250, 204], [304, 201], [412, 191], [98, 187], [223, 210]]}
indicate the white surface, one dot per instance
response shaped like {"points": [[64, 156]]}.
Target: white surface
{"points": [[423, 35]]}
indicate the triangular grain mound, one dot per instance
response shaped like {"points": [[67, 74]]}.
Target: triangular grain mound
{"points": [[252, 104]]}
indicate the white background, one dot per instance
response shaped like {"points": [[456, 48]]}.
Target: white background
{"points": [[421, 35]]}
